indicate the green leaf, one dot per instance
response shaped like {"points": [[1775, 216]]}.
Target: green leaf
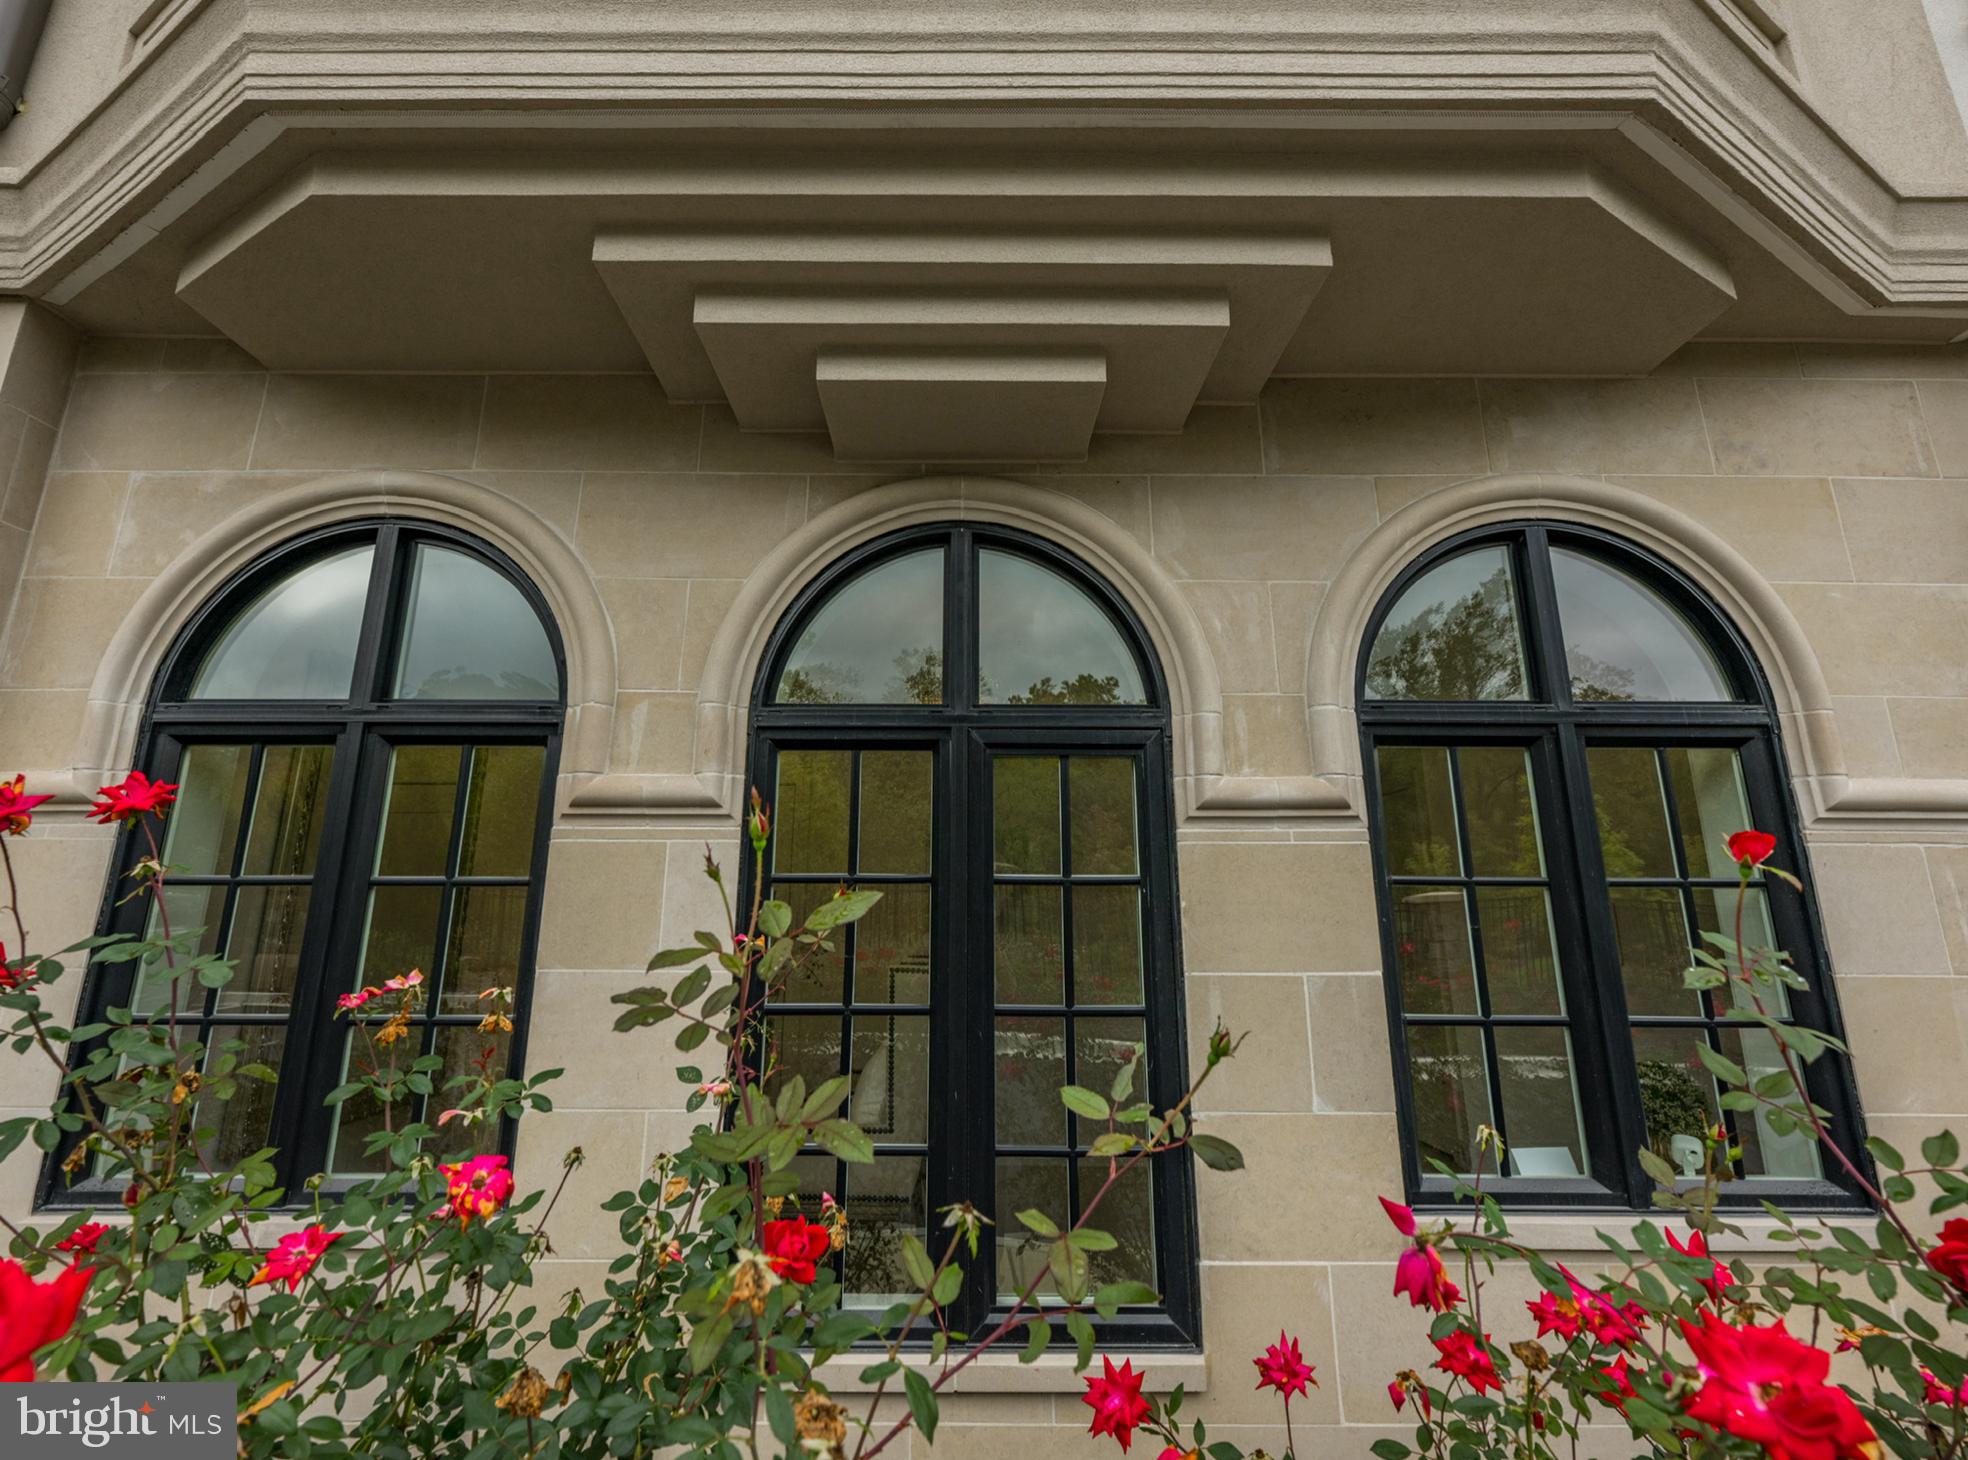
{"points": [[1124, 1078], [922, 1402], [779, 1414], [1386, 1449], [948, 1283], [1941, 1150], [1068, 1265], [1113, 1295], [1111, 1143], [1656, 1166], [691, 989], [775, 918], [1039, 1222], [846, 907], [922, 1272], [1082, 1331], [1082, 1101], [825, 1097], [1040, 1333], [1885, 1154], [674, 958], [845, 1140], [1217, 1153], [1092, 1239], [1720, 1065]]}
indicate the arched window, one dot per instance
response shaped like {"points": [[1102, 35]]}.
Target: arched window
{"points": [[363, 727], [1561, 735], [968, 720]]}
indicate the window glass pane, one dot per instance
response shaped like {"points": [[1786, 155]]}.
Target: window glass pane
{"points": [[239, 1126], [885, 1202], [1106, 945], [474, 1055], [296, 641], [203, 829], [288, 811], [1417, 803], [470, 634], [1710, 805], [1540, 1102], [1101, 791], [265, 941], [876, 641], [897, 797], [402, 932], [418, 808], [1028, 946], [1028, 1183], [1651, 926], [488, 927], [1041, 640], [1765, 1153], [1631, 809], [1031, 1068], [1677, 1095], [890, 1096], [188, 906], [1453, 635], [502, 809], [1127, 1213], [1502, 811], [1623, 641], [1431, 950], [1025, 813], [819, 976], [1520, 961], [807, 1045], [1100, 1048], [810, 816], [891, 948], [1451, 1093]]}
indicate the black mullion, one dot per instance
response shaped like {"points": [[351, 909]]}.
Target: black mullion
{"points": [[1067, 971], [364, 685], [1544, 630], [850, 945]]}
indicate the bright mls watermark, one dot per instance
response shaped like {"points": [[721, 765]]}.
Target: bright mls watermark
{"points": [[112, 1421]]}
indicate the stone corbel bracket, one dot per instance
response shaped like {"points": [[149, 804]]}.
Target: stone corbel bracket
{"points": [[911, 345]]}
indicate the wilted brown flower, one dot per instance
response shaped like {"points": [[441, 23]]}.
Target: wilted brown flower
{"points": [[675, 1187], [817, 1417], [526, 1396], [1531, 1354]]}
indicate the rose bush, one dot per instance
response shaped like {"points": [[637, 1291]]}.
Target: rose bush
{"points": [[393, 1315], [1690, 1354]]}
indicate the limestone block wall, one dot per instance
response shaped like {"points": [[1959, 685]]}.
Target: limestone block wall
{"points": [[1839, 476]]}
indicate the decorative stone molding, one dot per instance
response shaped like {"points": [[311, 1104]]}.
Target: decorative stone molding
{"points": [[121, 690], [1827, 795], [1202, 789]]}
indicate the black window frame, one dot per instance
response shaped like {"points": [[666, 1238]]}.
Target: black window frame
{"points": [[964, 734], [1556, 730], [362, 729]]}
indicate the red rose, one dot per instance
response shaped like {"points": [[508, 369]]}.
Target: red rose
{"points": [[1419, 1273], [1752, 848], [793, 1246], [1465, 1356], [1761, 1385], [1116, 1400], [1615, 1387], [295, 1256], [34, 1315], [17, 807], [1282, 1367], [1719, 1278], [83, 1239], [1949, 1256], [131, 798]]}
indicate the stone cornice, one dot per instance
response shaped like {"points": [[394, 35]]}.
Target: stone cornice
{"points": [[1686, 89]]}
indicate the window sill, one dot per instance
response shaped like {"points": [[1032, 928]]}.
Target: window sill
{"points": [[1578, 1232], [1001, 1373]]}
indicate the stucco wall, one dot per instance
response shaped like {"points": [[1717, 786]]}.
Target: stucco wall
{"points": [[1840, 477]]}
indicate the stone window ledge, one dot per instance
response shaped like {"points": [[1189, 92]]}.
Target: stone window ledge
{"points": [[1568, 1232], [1001, 1373]]}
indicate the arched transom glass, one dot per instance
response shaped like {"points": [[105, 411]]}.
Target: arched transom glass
{"points": [[1561, 735], [968, 720], [363, 728]]}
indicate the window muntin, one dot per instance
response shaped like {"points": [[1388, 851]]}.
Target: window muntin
{"points": [[1045, 905], [287, 771], [1537, 988]]}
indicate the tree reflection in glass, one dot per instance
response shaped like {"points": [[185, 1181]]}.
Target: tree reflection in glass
{"points": [[1454, 635]]}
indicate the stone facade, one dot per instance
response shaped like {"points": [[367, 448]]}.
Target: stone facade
{"points": [[1819, 492]]}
